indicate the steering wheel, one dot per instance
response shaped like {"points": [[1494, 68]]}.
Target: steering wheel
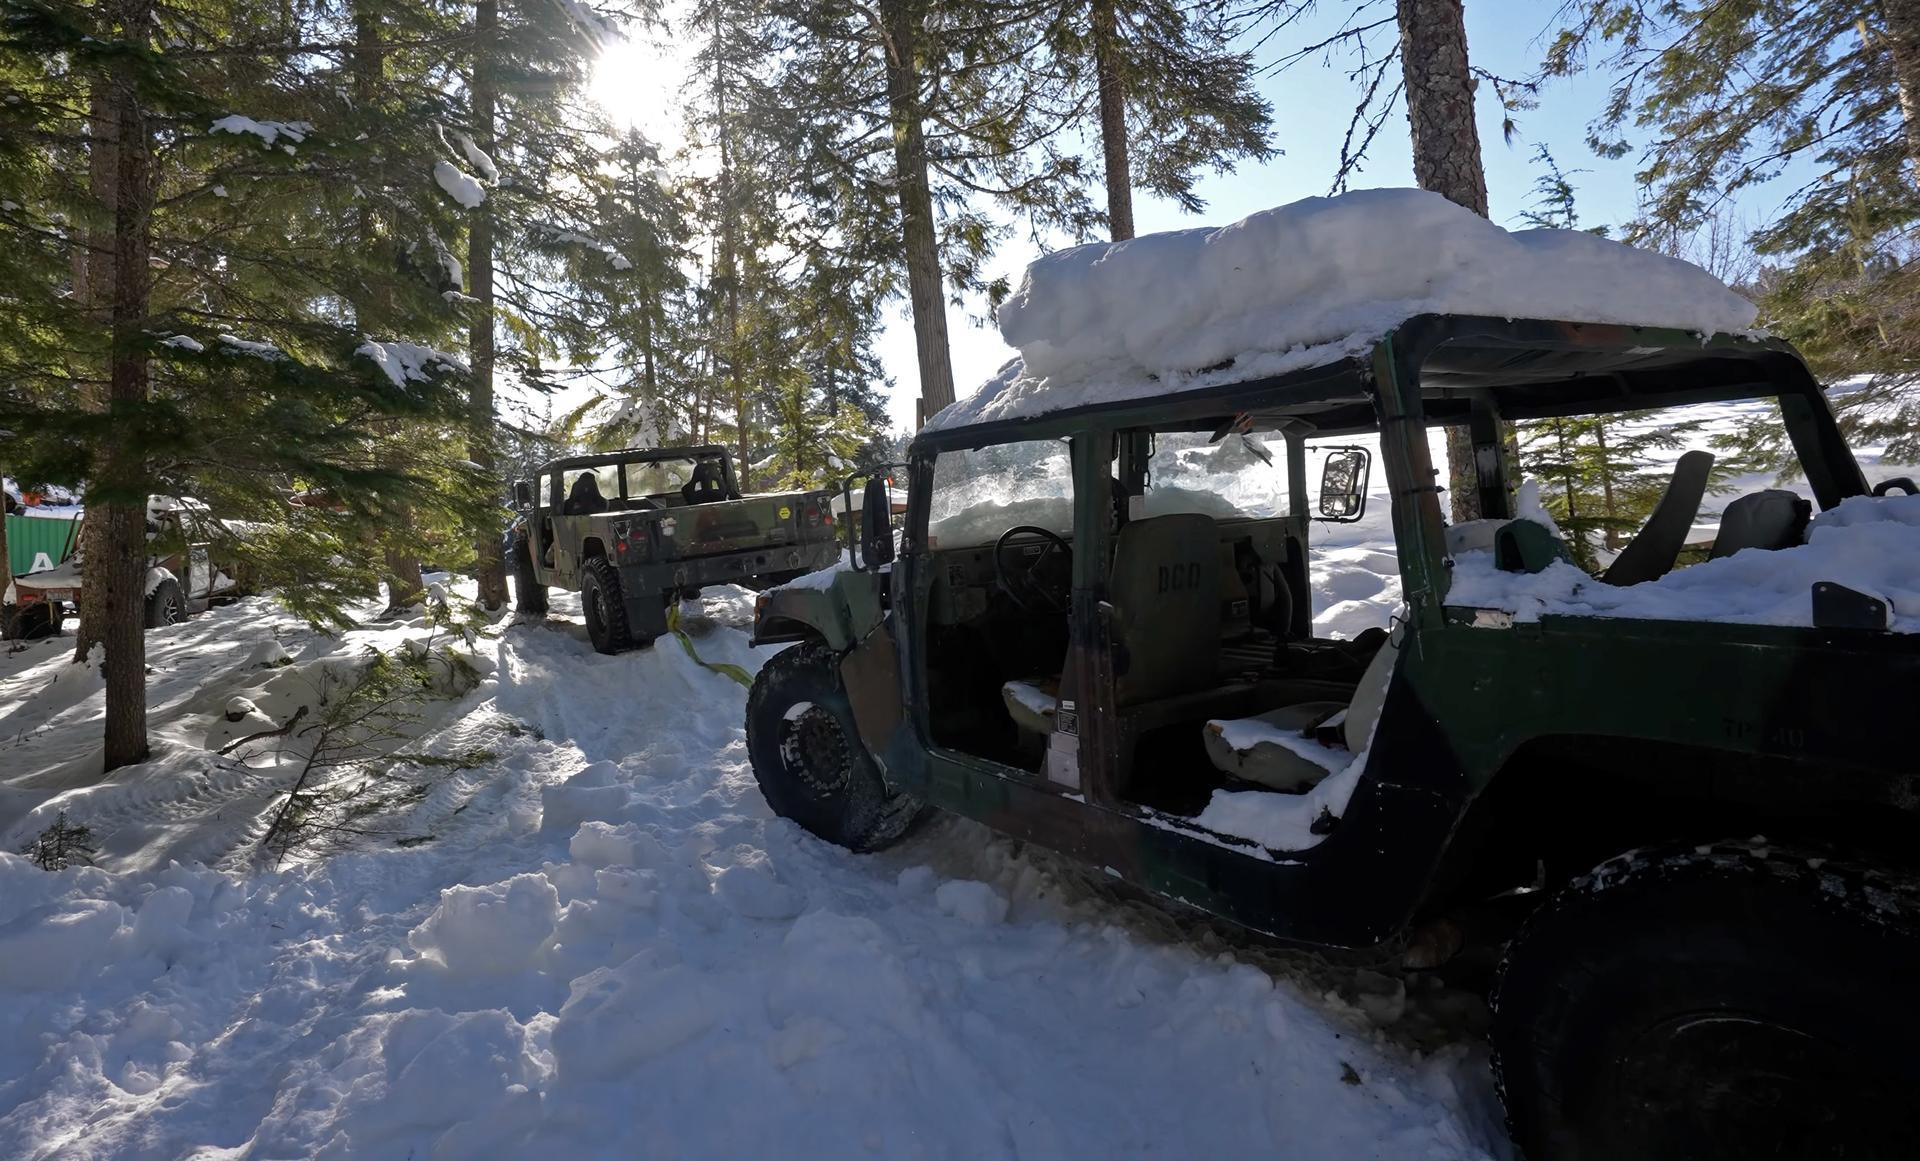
{"points": [[1012, 581]]}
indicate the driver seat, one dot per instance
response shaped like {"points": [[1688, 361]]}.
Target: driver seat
{"points": [[1165, 592]]}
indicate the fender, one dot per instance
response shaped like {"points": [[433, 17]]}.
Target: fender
{"points": [[839, 605], [157, 575]]}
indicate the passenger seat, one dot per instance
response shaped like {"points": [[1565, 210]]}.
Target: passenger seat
{"points": [[1772, 519], [1278, 749]]}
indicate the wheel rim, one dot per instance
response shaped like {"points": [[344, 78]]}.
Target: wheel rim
{"points": [[170, 613], [596, 611], [814, 749], [1733, 1084]]}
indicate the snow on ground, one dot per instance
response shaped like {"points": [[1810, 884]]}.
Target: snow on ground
{"points": [[1302, 285], [600, 943]]}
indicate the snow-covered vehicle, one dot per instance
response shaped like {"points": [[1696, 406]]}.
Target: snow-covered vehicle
{"points": [[183, 577], [628, 530], [1095, 633]]}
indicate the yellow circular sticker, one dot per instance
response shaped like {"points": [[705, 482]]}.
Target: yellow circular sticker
{"points": [[785, 512]]}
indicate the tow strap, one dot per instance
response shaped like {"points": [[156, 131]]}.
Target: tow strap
{"points": [[723, 668]]}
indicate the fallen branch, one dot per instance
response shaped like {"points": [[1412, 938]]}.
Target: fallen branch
{"points": [[282, 732]]}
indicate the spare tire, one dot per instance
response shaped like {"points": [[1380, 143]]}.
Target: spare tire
{"points": [[166, 604]]}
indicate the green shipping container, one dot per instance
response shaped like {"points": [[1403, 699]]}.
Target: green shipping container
{"points": [[35, 543]]}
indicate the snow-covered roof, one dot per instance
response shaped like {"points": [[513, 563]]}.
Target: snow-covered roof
{"points": [[1303, 285]]}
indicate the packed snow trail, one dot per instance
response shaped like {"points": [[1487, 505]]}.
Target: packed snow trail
{"points": [[611, 948]]}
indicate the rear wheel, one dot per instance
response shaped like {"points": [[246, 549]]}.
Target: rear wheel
{"points": [[529, 595], [1727, 1001], [605, 607], [26, 622], [808, 757], [166, 604]]}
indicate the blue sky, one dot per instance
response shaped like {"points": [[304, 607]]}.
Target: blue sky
{"points": [[1311, 105]]}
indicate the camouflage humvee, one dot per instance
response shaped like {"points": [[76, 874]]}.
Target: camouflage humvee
{"points": [[1087, 638], [630, 529]]}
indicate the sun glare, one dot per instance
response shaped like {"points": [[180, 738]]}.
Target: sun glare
{"points": [[633, 82]]}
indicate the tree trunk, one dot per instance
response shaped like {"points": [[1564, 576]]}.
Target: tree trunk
{"points": [[1446, 160], [1901, 19], [921, 244], [1609, 535], [490, 570], [404, 586], [7, 594], [1113, 120], [92, 293], [121, 567], [729, 271]]}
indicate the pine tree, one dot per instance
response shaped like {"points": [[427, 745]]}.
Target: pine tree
{"points": [[1729, 94], [1166, 91], [231, 365], [912, 122]]}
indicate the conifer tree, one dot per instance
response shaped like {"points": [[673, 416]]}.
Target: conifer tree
{"points": [[1725, 95], [232, 366], [912, 121]]}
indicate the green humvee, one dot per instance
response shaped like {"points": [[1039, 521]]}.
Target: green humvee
{"points": [[630, 529], [1101, 650]]}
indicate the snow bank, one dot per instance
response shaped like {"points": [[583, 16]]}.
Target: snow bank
{"points": [[1865, 543], [1303, 284]]}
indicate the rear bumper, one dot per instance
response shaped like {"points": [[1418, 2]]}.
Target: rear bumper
{"points": [[643, 584]]}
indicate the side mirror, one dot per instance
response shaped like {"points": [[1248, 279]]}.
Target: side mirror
{"points": [[876, 523], [1343, 484], [523, 493]]}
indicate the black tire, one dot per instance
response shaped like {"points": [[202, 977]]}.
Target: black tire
{"points": [[529, 595], [1725, 1001], [26, 622], [606, 609], [166, 604], [808, 758]]}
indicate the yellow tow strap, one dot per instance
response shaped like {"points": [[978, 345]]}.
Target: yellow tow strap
{"points": [[723, 668]]}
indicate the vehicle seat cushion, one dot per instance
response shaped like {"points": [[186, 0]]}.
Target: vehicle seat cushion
{"points": [[1166, 595], [1275, 749], [1031, 703], [1370, 694], [1775, 518], [1652, 552]]}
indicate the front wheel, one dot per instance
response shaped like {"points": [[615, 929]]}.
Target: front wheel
{"points": [[808, 757], [1723, 1001], [166, 605]]}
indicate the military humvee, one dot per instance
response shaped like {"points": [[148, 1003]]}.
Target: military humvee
{"points": [[629, 530], [1089, 638]]}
